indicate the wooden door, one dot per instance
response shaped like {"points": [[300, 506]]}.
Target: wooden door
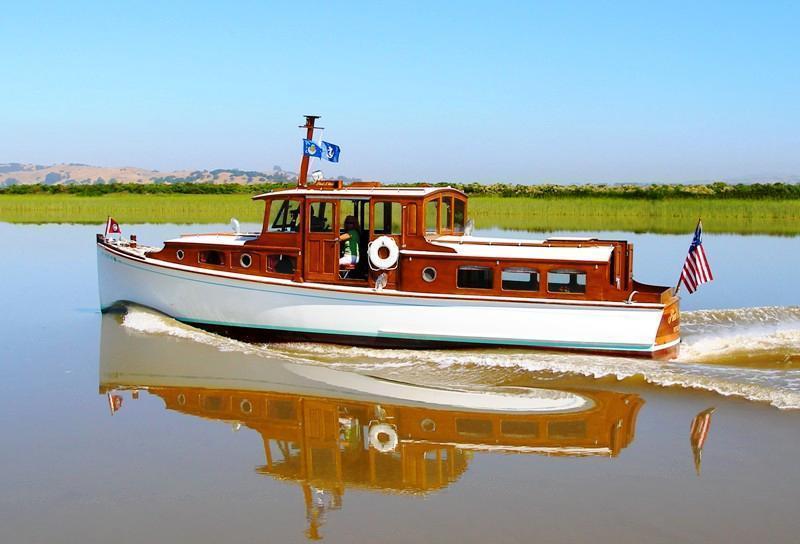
{"points": [[322, 247], [321, 429]]}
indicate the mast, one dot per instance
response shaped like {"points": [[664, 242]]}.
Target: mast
{"points": [[309, 126]]}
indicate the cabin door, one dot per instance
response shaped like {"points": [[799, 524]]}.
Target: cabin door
{"points": [[321, 430], [322, 246]]}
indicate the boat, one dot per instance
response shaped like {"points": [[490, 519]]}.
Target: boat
{"points": [[422, 279], [330, 430]]}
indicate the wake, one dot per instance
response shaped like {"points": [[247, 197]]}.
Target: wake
{"points": [[751, 353]]}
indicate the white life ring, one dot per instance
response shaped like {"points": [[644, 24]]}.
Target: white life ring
{"points": [[383, 437], [374, 251]]}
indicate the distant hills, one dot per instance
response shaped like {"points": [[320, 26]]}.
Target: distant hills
{"points": [[84, 174]]}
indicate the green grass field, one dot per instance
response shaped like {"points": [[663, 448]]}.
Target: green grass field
{"points": [[780, 217]]}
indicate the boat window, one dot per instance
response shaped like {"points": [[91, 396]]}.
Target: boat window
{"points": [[283, 216], [474, 427], [411, 219], [212, 403], [566, 281], [474, 277], [520, 428], [281, 264], [446, 217], [459, 211], [388, 218], [320, 216], [358, 209], [520, 279], [612, 275], [211, 257], [566, 429], [431, 215], [281, 409]]}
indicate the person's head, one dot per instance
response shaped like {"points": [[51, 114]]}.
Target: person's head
{"points": [[350, 223]]}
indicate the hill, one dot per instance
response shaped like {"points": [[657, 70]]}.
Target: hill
{"points": [[84, 174]]}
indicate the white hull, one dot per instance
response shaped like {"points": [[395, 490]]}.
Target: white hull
{"points": [[385, 317]]}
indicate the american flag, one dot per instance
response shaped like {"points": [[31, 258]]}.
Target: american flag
{"points": [[696, 269]]}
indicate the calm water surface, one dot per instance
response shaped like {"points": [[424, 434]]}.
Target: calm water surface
{"points": [[132, 427]]}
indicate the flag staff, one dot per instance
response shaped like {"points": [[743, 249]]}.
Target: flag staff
{"points": [[309, 126]]}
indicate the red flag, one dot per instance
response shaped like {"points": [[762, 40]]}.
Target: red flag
{"points": [[112, 227], [114, 403]]}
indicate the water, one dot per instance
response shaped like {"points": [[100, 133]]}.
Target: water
{"points": [[575, 447]]}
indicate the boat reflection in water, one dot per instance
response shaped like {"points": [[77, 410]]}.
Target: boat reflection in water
{"points": [[330, 430]]}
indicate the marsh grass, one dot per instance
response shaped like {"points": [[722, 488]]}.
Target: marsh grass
{"points": [[780, 217]]}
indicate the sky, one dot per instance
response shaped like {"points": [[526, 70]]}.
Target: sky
{"points": [[522, 92]]}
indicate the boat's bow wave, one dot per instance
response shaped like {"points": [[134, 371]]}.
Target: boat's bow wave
{"points": [[753, 353], [762, 338]]}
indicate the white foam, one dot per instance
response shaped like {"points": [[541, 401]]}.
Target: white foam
{"points": [[710, 334]]}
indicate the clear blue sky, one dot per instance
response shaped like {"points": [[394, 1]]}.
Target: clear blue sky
{"points": [[458, 91]]}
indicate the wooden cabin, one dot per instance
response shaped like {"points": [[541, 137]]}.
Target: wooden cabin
{"points": [[299, 242]]}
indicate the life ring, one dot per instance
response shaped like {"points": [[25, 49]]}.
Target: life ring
{"points": [[383, 437], [387, 244]]}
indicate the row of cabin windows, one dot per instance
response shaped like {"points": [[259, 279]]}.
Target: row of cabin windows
{"points": [[468, 277], [521, 279], [276, 263], [574, 429], [284, 216], [276, 409], [444, 215]]}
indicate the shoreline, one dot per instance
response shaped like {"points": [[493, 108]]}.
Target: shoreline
{"points": [[666, 216]]}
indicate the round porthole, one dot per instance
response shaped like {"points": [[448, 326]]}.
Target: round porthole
{"points": [[428, 425], [181, 399], [429, 274], [246, 406], [179, 254], [245, 260]]}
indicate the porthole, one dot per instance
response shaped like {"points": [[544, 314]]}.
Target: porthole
{"points": [[179, 254], [245, 260], [429, 274], [246, 406], [428, 425], [181, 399]]}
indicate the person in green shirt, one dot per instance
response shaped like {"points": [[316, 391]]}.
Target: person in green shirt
{"points": [[351, 236]]}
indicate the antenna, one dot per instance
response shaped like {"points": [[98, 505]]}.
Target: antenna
{"points": [[309, 126]]}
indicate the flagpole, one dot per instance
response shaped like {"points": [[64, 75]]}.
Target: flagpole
{"points": [[309, 126]]}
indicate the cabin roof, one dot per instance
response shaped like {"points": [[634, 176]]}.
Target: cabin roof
{"points": [[349, 191], [224, 239], [536, 250]]}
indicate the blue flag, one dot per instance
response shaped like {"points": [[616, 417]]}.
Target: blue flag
{"points": [[311, 149], [330, 152]]}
